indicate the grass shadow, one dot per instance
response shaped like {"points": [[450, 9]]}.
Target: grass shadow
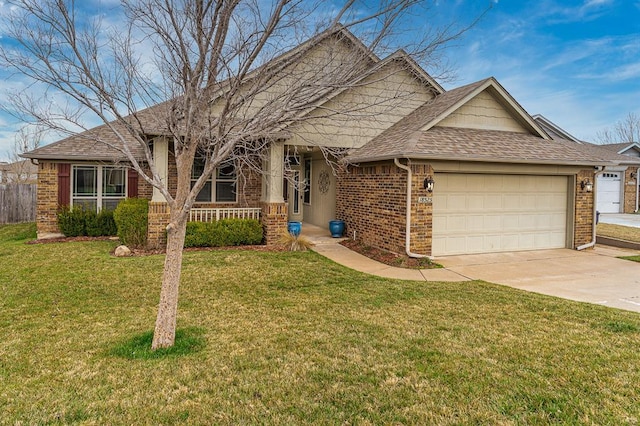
{"points": [[188, 341]]}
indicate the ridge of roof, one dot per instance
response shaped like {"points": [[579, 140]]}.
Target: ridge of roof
{"points": [[619, 147], [151, 117], [555, 128]]}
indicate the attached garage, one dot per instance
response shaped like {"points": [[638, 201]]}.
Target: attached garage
{"points": [[609, 187], [483, 213]]}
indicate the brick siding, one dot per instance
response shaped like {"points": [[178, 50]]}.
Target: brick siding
{"points": [[47, 205], [372, 202], [583, 226], [630, 189], [274, 219], [158, 218]]}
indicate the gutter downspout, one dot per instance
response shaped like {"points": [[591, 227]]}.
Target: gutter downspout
{"points": [[599, 169], [407, 236]]}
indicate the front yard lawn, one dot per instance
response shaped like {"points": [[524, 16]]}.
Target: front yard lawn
{"points": [[292, 338]]}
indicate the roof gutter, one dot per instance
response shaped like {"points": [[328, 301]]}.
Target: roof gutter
{"points": [[458, 159], [407, 236], [599, 169]]}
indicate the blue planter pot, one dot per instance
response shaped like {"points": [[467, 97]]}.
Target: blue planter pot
{"points": [[336, 227], [294, 228]]}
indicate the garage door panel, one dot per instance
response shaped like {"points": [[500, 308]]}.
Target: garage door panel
{"points": [[475, 202], [492, 213], [608, 187]]}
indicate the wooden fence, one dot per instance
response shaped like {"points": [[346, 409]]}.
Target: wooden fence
{"points": [[17, 202]]}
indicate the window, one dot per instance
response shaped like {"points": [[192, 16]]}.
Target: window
{"points": [[307, 181], [98, 187], [223, 190]]}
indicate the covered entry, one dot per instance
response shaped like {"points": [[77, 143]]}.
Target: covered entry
{"points": [[484, 213]]}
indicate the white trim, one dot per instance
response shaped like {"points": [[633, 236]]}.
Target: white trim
{"points": [[99, 197]]}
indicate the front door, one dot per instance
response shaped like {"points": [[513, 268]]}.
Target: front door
{"points": [[295, 195]]}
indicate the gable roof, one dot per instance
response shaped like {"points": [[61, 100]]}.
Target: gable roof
{"points": [[464, 94], [418, 136], [100, 143], [621, 148], [553, 129]]}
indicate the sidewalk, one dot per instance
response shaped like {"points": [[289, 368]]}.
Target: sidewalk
{"points": [[628, 219], [330, 248]]}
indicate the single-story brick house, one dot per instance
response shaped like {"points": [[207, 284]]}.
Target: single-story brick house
{"points": [[442, 172], [618, 186]]}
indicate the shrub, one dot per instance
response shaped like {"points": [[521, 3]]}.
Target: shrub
{"points": [[73, 221], [295, 242], [131, 221], [80, 222], [225, 232], [101, 224]]}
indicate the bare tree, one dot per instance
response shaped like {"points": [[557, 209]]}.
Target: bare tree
{"points": [[27, 138], [223, 79], [626, 130]]}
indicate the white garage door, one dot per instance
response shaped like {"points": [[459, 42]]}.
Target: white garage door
{"points": [[476, 213], [608, 187]]}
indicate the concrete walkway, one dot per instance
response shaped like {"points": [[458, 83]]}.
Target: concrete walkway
{"points": [[329, 247], [594, 276], [631, 219]]}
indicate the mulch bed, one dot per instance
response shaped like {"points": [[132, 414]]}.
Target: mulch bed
{"points": [[389, 258], [147, 252], [382, 256]]}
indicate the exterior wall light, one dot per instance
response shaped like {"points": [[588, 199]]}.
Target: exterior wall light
{"points": [[428, 183], [586, 185]]}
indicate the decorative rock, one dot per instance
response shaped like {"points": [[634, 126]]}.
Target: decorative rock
{"points": [[122, 251]]}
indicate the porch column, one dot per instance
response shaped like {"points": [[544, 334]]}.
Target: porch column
{"points": [[158, 216], [274, 210], [161, 161], [273, 167]]}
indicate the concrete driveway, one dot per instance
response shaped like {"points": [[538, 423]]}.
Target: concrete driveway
{"points": [[594, 276]]}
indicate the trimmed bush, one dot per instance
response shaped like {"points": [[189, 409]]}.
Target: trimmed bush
{"points": [[226, 232], [72, 222], [101, 224], [131, 221], [80, 222]]}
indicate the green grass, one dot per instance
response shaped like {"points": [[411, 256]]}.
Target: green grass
{"points": [[626, 233], [292, 338]]}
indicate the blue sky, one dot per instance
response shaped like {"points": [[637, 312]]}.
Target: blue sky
{"points": [[575, 62]]}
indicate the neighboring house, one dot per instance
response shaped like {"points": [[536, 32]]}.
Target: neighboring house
{"points": [[442, 172], [18, 172], [616, 186]]}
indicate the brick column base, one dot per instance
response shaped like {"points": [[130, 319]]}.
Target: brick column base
{"points": [[158, 219], [274, 220]]}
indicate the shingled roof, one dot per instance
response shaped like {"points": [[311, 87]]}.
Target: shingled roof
{"points": [[418, 136], [449, 143], [99, 144], [618, 147]]}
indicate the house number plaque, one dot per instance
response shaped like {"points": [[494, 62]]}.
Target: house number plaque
{"points": [[425, 200]]}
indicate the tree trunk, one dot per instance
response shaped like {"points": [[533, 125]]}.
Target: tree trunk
{"points": [[164, 334]]}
